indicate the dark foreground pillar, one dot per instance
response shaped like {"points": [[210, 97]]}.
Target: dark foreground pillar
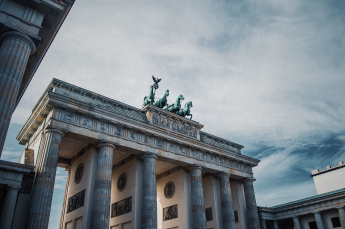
{"points": [[226, 202], [198, 201], [15, 49], [102, 192], [149, 192], [9, 207], [252, 210], [42, 193]]}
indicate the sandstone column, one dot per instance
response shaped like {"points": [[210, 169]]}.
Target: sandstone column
{"points": [[102, 191], [9, 207], [64, 204], [318, 220], [275, 224], [252, 211], [226, 202], [42, 193], [149, 192], [296, 222], [198, 201], [342, 216], [15, 49]]}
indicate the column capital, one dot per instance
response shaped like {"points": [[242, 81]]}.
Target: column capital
{"points": [[223, 175], [21, 36], [295, 217], [149, 155], [195, 166], [55, 130], [316, 212], [248, 179], [13, 187], [106, 144]]}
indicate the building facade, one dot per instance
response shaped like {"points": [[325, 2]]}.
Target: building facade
{"points": [[27, 28], [133, 168], [323, 211]]}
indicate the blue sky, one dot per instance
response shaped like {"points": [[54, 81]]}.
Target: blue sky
{"points": [[266, 74]]}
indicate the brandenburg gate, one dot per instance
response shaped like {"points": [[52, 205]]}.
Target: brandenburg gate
{"points": [[134, 168]]}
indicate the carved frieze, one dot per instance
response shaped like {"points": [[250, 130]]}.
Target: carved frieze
{"points": [[76, 201], [175, 126], [170, 213], [116, 129], [122, 207], [159, 143]]}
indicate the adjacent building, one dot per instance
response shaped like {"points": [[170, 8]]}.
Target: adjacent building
{"points": [[323, 211]]}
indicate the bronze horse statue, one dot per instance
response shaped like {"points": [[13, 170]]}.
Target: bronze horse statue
{"points": [[163, 101], [186, 110], [175, 107]]}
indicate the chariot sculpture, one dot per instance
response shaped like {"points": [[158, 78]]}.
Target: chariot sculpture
{"points": [[163, 102]]}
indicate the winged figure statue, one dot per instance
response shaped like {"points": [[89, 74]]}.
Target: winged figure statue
{"points": [[156, 80]]}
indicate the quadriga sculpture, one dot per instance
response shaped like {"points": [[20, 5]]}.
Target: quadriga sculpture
{"points": [[163, 101], [175, 107]]}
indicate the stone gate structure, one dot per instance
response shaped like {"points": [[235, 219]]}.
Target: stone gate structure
{"points": [[133, 168]]}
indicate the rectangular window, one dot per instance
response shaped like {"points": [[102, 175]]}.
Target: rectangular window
{"points": [[336, 222], [236, 216], [312, 225]]}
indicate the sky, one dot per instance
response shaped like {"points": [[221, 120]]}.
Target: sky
{"points": [[266, 74]]}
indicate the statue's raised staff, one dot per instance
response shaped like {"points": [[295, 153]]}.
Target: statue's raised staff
{"points": [[151, 98], [186, 110], [175, 107]]}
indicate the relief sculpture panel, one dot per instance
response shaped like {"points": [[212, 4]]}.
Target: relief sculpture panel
{"points": [[122, 207], [76, 201], [175, 126]]}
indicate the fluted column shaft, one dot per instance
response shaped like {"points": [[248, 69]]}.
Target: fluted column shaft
{"points": [[149, 192], [42, 193], [15, 50], [252, 211], [9, 207], [63, 212], [275, 224], [226, 202], [198, 201], [318, 220], [102, 191], [342, 216], [296, 223]]}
